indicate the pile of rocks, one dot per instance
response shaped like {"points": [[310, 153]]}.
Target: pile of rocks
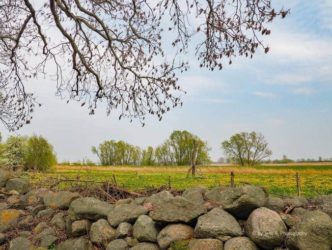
{"points": [[227, 218]]}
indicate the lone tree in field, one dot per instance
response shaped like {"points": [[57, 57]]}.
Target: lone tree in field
{"points": [[247, 148], [113, 51], [183, 148]]}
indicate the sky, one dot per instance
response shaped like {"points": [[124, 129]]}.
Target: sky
{"points": [[286, 95]]}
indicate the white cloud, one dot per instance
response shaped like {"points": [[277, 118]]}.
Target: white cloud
{"points": [[304, 91], [267, 95]]}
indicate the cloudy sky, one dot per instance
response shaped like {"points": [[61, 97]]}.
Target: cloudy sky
{"points": [[286, 95]]}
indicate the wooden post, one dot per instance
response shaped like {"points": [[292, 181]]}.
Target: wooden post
{"points": [[169, 182], [298, 184], [114, 181], [232, 179]]}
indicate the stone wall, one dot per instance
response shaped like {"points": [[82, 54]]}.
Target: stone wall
{"points": [[244, 217]]}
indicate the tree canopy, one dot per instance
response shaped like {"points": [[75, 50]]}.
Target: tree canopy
{"points": [[114, 51], [32, 153], [247, 148]]}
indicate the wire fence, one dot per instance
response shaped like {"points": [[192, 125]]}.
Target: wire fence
{"points": [[279, 184]]}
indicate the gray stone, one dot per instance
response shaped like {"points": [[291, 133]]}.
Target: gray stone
{"points": [[20, 243], [145, 229], [18, 184], [124, 201], [4, 177], [324, 203], [59, 200], [240, 243], [314, 231], [46, 213], [35, 196], [167, 208], [25, 234], [239, 201], [59, 221], [295, 201], [172, 233], [217, 224], [102, 232], [89, 208], [195, 195], [206, 244], [275, 204], [47, 240], [145, 246], [80, 227], [3, 205], [125, 213], [45, 232], [8, 218], [139, 200], [123, 230], [75, 244], [14, 201], [118, 244], [131, 241], [2, 238], [266, 228], [42, 226]]}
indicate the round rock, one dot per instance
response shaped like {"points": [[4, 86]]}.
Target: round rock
{"points": [[217, 224], [240, 243], [174, 232], [266, 228]]}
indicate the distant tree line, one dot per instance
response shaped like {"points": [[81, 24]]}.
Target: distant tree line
{"points": [[181, 148], [30, 153]]}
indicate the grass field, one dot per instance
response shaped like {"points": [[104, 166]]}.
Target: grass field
{"points": [[278, 179]]}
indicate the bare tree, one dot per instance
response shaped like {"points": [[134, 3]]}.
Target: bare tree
{"points": [[113, 51], [247, 148]]}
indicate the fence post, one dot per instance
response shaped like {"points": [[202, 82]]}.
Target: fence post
{"points": [[232, 179], [298, 184], [169, 182], [114, 181]]}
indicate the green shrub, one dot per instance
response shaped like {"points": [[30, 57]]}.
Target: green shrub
{"points": [[39, 154]]}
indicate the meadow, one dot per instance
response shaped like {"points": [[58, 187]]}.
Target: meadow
{"points": [[278, 179]]}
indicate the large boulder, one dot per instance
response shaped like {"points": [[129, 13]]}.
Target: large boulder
{"points": [[145, 246], [89, 208], [217, 224], [59, 221], [35, 196], [266, 228], [167, 208], [145, 229], [59, 200], [206, 244], [75, 244], [275, 203], [240, 243], [172, 233], [195, 194], [118, 244], [4, 177], [295, 202], [324, 203], [125, 213], [8, 218], [123, 230], [80, 227], [101, 232], [239, 201], [314, 231], [20, 243], [18, 184]]}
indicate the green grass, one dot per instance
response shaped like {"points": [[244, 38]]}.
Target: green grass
{"points": [[277, 180]]}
